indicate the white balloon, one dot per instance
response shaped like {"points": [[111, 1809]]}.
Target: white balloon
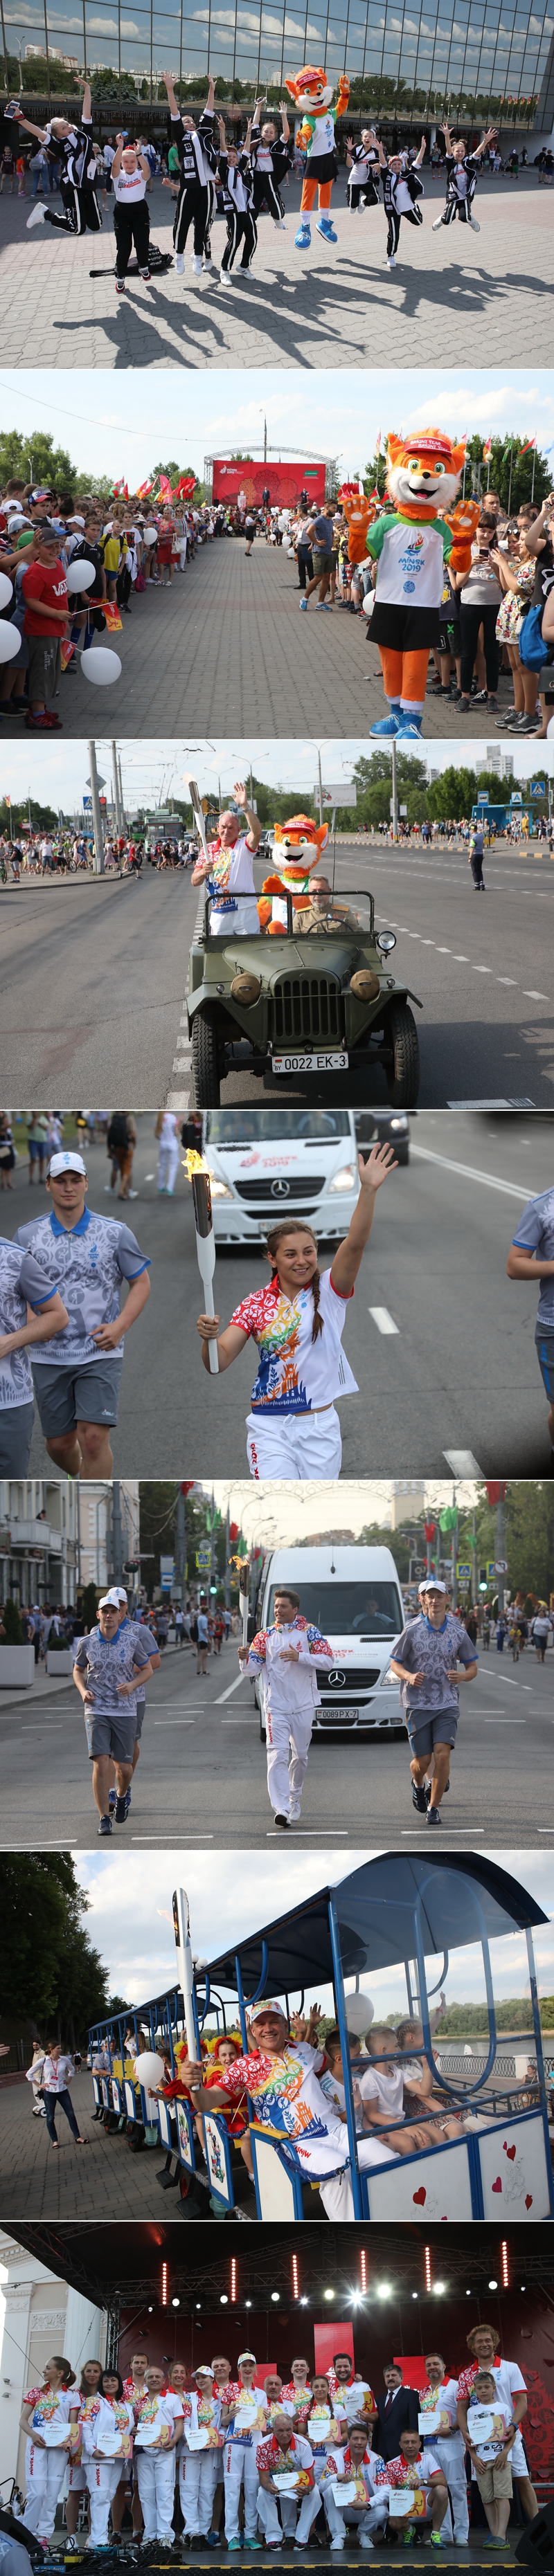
{"points": [[149, 2071], [10, 640], [100, 666], [150, 536], [6, 588], [359, 2013], [79, 576]]}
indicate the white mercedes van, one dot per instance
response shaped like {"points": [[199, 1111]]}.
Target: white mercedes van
{"points": [[353, 1595], [297, 1162]]}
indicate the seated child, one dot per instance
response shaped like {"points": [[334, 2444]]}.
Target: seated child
{"points": [[419, 2087], [490, 2456], [381, 2094]]}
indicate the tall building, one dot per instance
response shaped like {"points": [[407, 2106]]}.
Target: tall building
{"points": [[56, 1536], [408, 1497], [481, 63], [41, 2316]]}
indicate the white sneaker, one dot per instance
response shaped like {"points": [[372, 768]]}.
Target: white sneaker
{"points": [[225, 278], [179, 262], [196, 265], [211, 268], [475, 227], [391, 263], [37, 217], [294, 1812]]}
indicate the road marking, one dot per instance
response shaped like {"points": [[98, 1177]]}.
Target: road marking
{"points": [[233, 1686], [169, 1838], [462, 1462], [444, 952], [313, 1833], [482, 970], [459, 960], [499, 1103], [409, 1832], [175, 1721], [511, 1189], [178, 1099], [507, 979], [384, 1321], [534, 997]]}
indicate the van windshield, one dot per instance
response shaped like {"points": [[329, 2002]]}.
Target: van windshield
{"points": [[234, 1126], [347, 1609]]}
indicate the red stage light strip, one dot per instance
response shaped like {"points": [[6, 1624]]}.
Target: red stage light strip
{"points": [[233, 2280], [295, 2284], [427, 2257], [165, 2279], [505, 2262], [363, 2268]]}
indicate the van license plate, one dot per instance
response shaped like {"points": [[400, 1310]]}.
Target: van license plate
{"points": [[339, 1716], [321, 1063]]}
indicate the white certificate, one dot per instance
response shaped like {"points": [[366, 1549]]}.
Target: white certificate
{"points": [[54, 2432], [198, 2440], [345, 2494], [481, 2423], [429, 2420], [401, 2499], [157, 2431], [110, 2441], [286, 2480]]}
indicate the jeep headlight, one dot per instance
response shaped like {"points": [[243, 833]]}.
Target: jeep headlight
{"points": [[345, 1180]]}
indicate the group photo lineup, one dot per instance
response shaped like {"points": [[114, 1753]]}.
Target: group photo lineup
{"points": [[416, 2414]]}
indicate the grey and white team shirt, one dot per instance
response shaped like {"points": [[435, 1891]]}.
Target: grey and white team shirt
{"points": [[22, 1284], [88, 1264]]}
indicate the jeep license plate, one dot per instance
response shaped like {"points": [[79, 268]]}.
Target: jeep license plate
{"points": [[329, 1062]]}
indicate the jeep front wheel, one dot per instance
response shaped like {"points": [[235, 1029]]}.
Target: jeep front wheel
{"points": [[205, 1069], [402, 1076]]}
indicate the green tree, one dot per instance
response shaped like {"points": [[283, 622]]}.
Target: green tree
{"points": [[36, 460], [90, 1599], [49, 1973], [10, 1619]]}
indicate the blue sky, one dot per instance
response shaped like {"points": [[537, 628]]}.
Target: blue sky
{"points": [[200, 412], [152, 770], [234, 1893]]}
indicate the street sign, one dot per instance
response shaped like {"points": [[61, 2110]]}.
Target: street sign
{"points": [[100, 781], [345, 794], [491, 1568], [87, 804], [482, 795], [402, 809], [537, 787], [463, 1573], [501, 1566], [167, 1570], [203, 1558]]}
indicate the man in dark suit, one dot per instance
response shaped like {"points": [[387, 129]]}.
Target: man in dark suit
{"points": [[397, 2412]]}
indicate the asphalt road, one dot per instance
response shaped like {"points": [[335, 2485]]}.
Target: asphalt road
{"points": [[94, 977], [202, 1770], [455, 1375]]}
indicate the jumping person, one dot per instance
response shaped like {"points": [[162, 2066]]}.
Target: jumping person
{"points": [[74, 145], [402, 189], [290, 1699], [196, 201], [531, 1256], [130, 178], [426, 1664], [236, 175], [363, 166], [78, 1372], [271, 156], [297, 1322], [462, 173]]}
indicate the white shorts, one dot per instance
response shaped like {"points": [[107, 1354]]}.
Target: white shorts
{"points": [[287, 1445]]}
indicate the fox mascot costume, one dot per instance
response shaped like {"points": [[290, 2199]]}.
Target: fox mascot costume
{"points": [[410, 547], [313, 93], [298, 847]]}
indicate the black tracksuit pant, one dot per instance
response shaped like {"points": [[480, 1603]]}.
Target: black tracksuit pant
{"points": [[240, 228], [132, 225], [266, 193], [81, 210], [194, 206]]}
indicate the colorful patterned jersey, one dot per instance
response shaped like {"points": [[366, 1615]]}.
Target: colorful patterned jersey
{"points": [[21, 1284], [289, 2103], [410, 2473], [297, 2457], [295, 1374]]}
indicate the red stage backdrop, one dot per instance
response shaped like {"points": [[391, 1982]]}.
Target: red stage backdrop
{"points": [[284, 482], [329, 2339]]}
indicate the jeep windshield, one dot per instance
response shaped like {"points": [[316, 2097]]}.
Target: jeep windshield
{"points": [[337, 916], [358, 1609], [234, 1126]]}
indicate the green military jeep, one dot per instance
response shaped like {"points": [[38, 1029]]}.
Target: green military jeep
{"points": [[288, 1002]]}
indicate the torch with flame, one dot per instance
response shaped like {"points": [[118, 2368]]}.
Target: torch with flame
{"points": [[198, 1174]]}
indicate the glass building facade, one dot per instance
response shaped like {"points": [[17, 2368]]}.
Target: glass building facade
{"points": [[412, 58]]}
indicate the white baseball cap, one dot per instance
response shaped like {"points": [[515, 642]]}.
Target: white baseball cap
{"points": [[66, 1163], [268, 2004], [121, 1594], [432, 1586], [110, 1601]]}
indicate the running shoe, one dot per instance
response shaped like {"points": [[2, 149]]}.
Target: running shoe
{"points": [[196, 265], [388, 724], [294, 1812], [121, 1809], [37, 724], [476, 228], [303, 604], [120, 285], [105, 1825], [391, 263], [179, 262], [419, 1799], [303, 237], [282, 1822], [38, 217], [433, 1815], [145, 275], [439, 219], [112, 1800]]}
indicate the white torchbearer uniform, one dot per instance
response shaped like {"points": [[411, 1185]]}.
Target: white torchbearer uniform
{"points": [[367, 2518], [240, 2460], [45, 2470], [290, 1695], [450, 2451], [156, 2471], [168, 1154], [102, 2476], [270, 2506], [198, 2470]]}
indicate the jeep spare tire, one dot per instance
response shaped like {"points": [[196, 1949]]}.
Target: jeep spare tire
{"points": [[205, 1067]]}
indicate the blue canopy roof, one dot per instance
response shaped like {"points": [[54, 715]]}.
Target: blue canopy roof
{"points": [[375, 1908]]}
